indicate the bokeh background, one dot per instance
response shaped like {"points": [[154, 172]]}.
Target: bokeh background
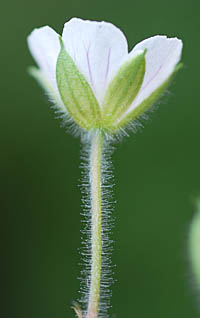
{"points": [[157, 173]]}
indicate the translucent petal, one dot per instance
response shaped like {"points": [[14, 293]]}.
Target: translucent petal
{"points": [[45, 47], [97, 49], [162, 56]]}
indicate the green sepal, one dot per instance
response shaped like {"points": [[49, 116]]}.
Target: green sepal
{"points": [[147, 103], [123, 89], [76, 93]]}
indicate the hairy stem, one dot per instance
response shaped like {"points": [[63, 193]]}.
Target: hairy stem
{"points": [[96, 226]]}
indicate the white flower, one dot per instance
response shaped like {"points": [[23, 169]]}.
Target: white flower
{"points": [[93, 66]]}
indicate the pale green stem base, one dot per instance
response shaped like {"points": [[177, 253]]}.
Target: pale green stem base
{"points": [[96, 219]]}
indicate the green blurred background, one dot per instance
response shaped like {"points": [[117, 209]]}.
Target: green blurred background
{"points": [[156, 173]]}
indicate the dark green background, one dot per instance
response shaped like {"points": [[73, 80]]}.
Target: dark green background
{"points": [[156, 173]]}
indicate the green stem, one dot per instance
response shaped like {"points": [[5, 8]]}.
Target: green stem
{"points": [[96, 224]]}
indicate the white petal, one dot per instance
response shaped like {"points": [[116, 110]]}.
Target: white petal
{"points": [[44, 46], [97, 49], [161, 58]]}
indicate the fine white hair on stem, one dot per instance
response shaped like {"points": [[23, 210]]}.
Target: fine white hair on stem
{"points": [[101, 91], [107, 224]]}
